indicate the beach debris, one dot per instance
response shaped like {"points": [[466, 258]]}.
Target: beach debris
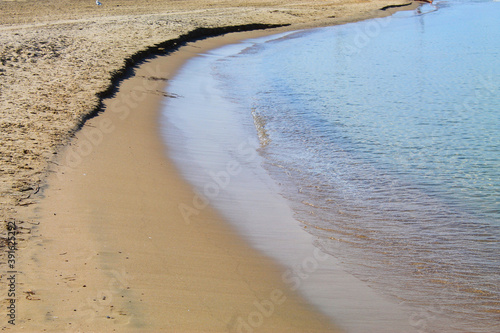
{"points": [[98, 3], [155, 78], [29, 295], [165, 94]]}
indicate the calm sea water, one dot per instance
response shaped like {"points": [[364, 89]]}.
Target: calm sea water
{"points": [[384, 136]]}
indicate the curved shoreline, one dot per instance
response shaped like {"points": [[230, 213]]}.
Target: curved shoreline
{"points": [[43, 68], [68, 230], [158, 274]]}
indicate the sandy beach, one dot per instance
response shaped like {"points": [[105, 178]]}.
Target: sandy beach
{"points": [[95, 202]]}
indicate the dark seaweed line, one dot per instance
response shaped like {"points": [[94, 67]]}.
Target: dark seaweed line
{"points": [[396, 6], [163, 48]]}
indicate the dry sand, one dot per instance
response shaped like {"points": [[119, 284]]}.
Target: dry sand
{"points": [[108, 243]]}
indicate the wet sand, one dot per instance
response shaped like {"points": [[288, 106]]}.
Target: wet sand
{"points": [[213, 141]]}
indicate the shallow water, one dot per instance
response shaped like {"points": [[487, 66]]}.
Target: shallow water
{"points": [[383, 136]]}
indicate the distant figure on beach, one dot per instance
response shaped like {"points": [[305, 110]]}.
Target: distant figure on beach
{"points": [[98, 3]]}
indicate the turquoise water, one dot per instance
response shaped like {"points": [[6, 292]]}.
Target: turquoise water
{"points": [[384, 136]]}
